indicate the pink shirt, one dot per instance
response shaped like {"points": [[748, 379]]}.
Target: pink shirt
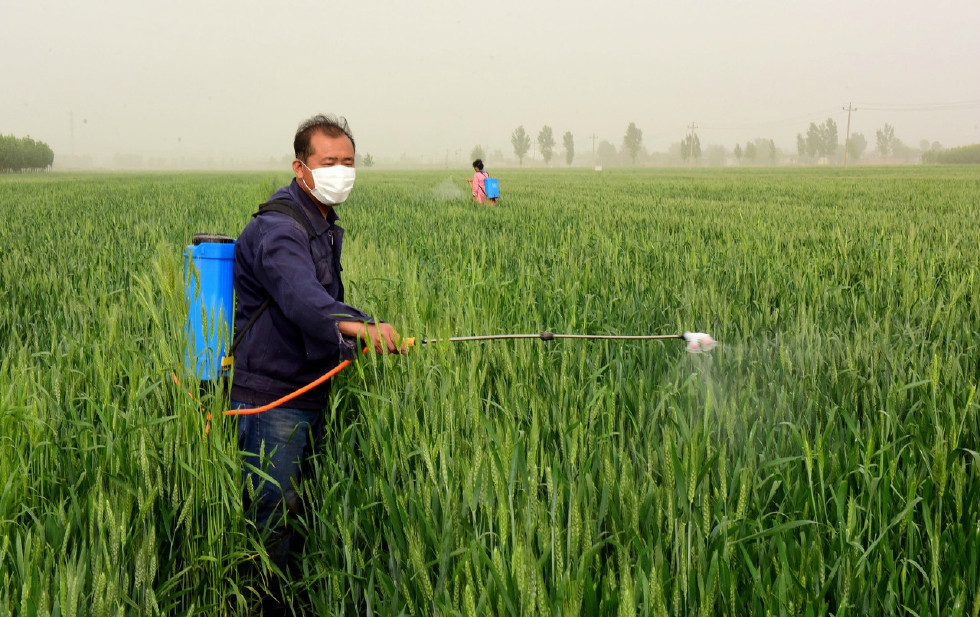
{"points": [[478, 191]]}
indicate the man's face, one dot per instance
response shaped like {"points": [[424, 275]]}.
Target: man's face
{"points": [[327, 151]]}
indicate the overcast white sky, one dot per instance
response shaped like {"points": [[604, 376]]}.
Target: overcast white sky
{"points": [[232, 79]]}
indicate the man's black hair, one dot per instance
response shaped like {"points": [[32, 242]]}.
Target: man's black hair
{"points": [[328, 125], [478, 163]]}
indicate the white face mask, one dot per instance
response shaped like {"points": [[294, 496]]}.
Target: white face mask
{"points": [[332, 184]]}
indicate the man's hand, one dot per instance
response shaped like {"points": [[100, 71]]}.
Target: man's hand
{"points": [[381, 336]]}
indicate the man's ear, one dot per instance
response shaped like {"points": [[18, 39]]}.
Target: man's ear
{"points": [[298, 169]]}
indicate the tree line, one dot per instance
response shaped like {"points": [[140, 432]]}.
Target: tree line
{"points": [[821, 144], [24, 154], [520, 140], [964, 155]]}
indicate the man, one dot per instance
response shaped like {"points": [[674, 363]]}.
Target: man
{"points": [[288, 280]]}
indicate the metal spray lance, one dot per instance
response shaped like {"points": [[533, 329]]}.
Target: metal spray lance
{"points": [[697, 342]]}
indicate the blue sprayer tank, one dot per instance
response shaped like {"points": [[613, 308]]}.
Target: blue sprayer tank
{"points": [[491, 187], [209, 276]]}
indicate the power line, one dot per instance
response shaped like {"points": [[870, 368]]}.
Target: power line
{"points": [[784, 122], [909, 107], [954, 106]]}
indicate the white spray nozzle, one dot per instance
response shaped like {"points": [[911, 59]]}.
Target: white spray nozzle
{"points": [[699, 341]]}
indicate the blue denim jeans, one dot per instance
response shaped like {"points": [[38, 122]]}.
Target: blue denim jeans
{"points": [[286, 438]]}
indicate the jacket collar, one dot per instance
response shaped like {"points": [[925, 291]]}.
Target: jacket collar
{"points": [[320, 225]]}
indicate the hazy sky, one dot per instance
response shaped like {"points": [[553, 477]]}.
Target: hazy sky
{"points": [[233, 79]]}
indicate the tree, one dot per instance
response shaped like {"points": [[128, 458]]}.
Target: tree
{"points": [[828, 141], [901, 151], [477, 153], [738, 153], [885, 137], [24, 153], [606, 153], [632, 141], [715, 156], [813, 141], [691, 147], [546, 141], [6, 153], [521, 142], [569, 143], [800, 146], [857, 146], [761, 149], [821, 140], [368, 160]]}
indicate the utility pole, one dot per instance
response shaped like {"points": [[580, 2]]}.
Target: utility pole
{"points": [[593, 150], [690, 160], [847, 138]]}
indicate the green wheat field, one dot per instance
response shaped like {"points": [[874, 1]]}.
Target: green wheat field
{"points": [[823, 460]]}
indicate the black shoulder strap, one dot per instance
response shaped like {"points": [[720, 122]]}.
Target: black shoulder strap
{"points": [[240, 335], [289, 209]]}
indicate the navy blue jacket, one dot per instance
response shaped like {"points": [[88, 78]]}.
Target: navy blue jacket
{"points": [[296, 339]]}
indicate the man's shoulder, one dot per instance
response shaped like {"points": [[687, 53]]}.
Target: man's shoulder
{"points": [[265, 225], [284, 193], [274, 223]]}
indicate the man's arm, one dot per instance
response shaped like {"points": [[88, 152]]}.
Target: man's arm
{"points": [[283, 267]]}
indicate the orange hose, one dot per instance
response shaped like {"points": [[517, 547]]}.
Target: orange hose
{"points": [[292, 395], [273, 404]]}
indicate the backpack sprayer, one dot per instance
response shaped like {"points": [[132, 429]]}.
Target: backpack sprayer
{"points": [[209, 274], [209, 278]]}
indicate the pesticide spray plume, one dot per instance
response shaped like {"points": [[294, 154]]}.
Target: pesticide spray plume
{"points": [[697, 342]]}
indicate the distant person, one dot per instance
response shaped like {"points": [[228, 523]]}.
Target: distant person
{"points": [[477, 183], [294, 327]]}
